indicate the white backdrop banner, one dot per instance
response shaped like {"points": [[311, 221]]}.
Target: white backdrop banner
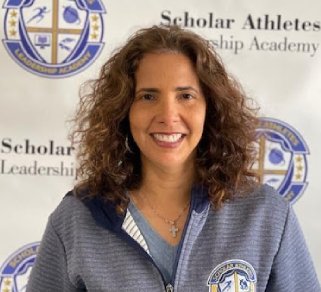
{"points": [[50, 47]]}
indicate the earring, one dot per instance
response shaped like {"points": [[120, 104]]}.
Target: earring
{"points": [[127, 145]]}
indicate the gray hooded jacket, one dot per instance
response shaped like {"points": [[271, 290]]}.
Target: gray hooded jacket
{"points": [[253, 243]]}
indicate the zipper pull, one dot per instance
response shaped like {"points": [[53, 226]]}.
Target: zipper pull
{"points": [[169, 288]]}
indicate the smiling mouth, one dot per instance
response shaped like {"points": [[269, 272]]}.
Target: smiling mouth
{"points": [[168, 138]]}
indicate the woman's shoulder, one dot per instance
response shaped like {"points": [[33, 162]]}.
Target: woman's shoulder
{"points": [[83, 211], [70, 209], [261, 203], [263, 195], [70, 202]]}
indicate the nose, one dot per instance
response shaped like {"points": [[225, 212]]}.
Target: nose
{"points": [[168, 111]]}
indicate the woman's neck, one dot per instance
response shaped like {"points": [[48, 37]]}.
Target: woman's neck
{"points": [[167, 186], [163, 197]]}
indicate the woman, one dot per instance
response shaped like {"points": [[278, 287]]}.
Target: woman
{"points": [[167, 199]]}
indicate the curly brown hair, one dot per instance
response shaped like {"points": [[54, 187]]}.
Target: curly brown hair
{"points": [[109, 159]]}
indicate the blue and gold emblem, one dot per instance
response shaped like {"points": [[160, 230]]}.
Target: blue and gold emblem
{"points": [[53, 38], [282, 158], [15, 271], [232, 276]]}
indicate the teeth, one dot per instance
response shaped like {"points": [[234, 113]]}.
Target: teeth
{"points": [[168, 138]]}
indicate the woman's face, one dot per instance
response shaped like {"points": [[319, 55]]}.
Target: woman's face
{"points": [[168, 113]]}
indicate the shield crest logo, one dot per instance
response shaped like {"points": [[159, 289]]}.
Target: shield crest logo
{"points": [[14, 273], [232, 276], [281, 160], [55, 38]]}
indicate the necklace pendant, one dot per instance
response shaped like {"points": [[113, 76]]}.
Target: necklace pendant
{"points": [[173, 229]]}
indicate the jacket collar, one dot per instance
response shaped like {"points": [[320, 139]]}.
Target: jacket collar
{"points": [[105, 214]]}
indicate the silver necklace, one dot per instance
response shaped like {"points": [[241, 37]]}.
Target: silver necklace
{"points": [[173, 229]]}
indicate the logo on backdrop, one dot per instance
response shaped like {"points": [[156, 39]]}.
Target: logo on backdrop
{"points": [[14, 273], [232, 275], [55, 38], [282, 158]]}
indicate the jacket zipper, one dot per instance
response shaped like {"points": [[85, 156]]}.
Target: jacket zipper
{"points": [[169, 288]]}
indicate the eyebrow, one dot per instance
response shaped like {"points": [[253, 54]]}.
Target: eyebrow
{"points": [[152, 89], [183, 88], [147, 90]]}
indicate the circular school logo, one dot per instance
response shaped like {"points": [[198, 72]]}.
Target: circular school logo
{"points": [[282, 158], [53, 38], [232, 276], [14, 273]]}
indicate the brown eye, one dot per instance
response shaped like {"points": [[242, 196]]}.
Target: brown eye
{"points": [[187, 96], [148, 96]]}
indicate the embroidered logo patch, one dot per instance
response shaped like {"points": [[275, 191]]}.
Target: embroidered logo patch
{"points": [[232, 276], [15, 271], [53, 38], [282, 158]]}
